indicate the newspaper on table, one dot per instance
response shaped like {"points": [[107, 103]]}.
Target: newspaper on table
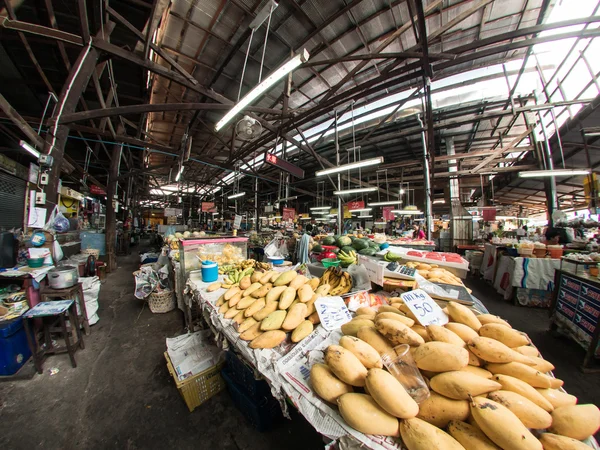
{"points": [[192, 353]]}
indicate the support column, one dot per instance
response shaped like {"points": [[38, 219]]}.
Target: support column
{"points": [[427, 183], [340, 209], [111, 217]]}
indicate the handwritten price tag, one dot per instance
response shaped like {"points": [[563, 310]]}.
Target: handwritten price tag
{"points": [[333, 312], [425, 309]]}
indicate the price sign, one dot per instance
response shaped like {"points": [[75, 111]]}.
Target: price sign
{"points": [[332, 312], [237, 222], [425, 309]]}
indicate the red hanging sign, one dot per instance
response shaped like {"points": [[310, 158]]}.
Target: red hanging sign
{"points": [[355, 205], [288, 214], [489, 214], [208, 207], [387, 213], [97, 190]]}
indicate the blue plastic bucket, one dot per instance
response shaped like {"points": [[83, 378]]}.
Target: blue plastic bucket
{"points": [[210, 271]]}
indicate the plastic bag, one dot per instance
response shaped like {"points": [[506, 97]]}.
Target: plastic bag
{"points": [[61, 223], [360, 277], [50, 223], [57, 250]]}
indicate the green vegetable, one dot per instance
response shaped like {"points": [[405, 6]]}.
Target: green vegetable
{"points": [[360, 244], [369, 251], [317, 248], [329, 240], [344, 241]]}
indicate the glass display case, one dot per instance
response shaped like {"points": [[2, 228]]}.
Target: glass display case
{"points": [[222, 250]]}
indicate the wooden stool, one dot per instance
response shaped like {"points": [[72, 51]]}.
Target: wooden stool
{"points": [[53, 313], [74, 292]]}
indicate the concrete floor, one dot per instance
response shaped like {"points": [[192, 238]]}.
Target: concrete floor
{"points": [[122, 396]]}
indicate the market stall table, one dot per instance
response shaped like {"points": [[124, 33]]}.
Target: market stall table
{"points": [[575, 311], [287, 367], [527, 281]]}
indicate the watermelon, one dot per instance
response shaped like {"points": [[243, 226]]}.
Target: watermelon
{"points": [[360, 244], [344, 241], [317, 248], [329, 240], [374, 245], [369, 251], [351, 237], [335, 250], [347, 249]]}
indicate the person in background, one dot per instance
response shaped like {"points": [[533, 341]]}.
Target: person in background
{"points": [[419, 233]]}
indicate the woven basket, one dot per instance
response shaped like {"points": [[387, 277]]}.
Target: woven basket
{"points": [[91, 251], [161, 302]]}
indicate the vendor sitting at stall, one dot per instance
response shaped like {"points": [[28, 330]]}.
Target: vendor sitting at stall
{"points": [[556, 236]]}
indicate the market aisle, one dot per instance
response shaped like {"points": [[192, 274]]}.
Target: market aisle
{"points": [[565, 354], [121, 394]]}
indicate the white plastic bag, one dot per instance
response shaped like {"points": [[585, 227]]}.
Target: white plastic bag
{"points": [[57, 250], [50, 223]]}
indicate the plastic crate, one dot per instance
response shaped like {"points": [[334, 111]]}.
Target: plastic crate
{"points": [[261, 415], [243, 375], [198, 388]]}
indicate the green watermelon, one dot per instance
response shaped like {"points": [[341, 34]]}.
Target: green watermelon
{"points": [[369, 251], [335, 250], [374, 245], [351, 237], [343, 241], [347, 249], [329, 240], [317, 248], [360, 244]]}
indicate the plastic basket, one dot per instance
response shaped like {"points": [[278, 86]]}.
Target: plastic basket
{"points": [[243, 376], [261, 415], [540, 252], [198, 388], [161, 302]]}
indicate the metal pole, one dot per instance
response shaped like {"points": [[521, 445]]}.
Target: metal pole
{"points": [[256, 221], [551, 181], [340, 215], [427, 182]]}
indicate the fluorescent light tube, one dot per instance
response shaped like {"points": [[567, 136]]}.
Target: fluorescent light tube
{"points": [[360, 210], [305, 218], [29, 148], [351, 166], [506, 217], [355, 191], [276, 217], [439, 201], [407, 212], [554, 173], [389, 202], [320, 208], [380, 223], [238, 195], [364, 217], [263, 218], [263, 87]]}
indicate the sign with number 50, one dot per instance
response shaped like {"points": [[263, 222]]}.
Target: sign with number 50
{"points": [[425, 309]]}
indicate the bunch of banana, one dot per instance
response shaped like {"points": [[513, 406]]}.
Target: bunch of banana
{"points": [[226, 268], [247, 263], [262, 266], [348, 258], [233, 277], [340, 281], [391, 257]]}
